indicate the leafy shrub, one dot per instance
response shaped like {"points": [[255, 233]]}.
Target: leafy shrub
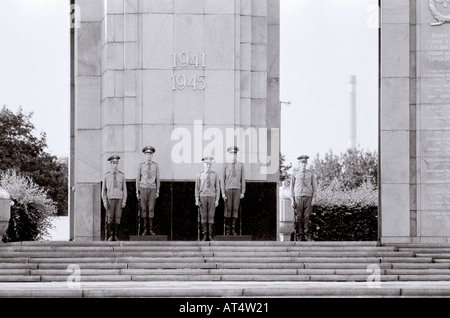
{"points": [[343, 214], [344, 224], [336, 194], [32, 212]]}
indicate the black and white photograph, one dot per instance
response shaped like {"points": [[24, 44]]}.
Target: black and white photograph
{"points": [[224, 156]]}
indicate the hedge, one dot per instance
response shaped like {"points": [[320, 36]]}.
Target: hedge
{"points": [[343, 223]]}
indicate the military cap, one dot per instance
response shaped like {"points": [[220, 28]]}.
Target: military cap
{"points": [[114, 157], [233, 149], [208, 159], [148, 149], [303, 157]]}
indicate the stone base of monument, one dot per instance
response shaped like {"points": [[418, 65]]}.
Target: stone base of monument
{"points": [[148, 237], [233, 238]]}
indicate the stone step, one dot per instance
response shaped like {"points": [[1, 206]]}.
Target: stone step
{"points": [[434, 255], [223, 265], [418, 245], [220, 266], [425, 250], [424, 277], [442, 260], [230, 259], [69, 254], [225, 277], [17, 265], [427, 271], [425, 265], [185, 290], [196, 243], [19, 278], [212, 277], [186, 248], [222, 271], [266, 260], [166, 254], [301, 259]]}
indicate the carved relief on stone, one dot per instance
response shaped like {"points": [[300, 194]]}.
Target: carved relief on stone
{"points": [[437, 14]]}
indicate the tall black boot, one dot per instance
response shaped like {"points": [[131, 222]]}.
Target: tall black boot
{"points": [[301, 231], [116, 232], [144, 226], [298, 232], [109, 233], [204, 231], [150, 226], [211, 231], [233, 227], [227, 226], [308, 236]]}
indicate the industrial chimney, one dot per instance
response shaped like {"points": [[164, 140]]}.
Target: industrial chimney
{"points": [[352, 124]]}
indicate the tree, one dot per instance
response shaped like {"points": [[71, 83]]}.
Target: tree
{"points": [[33, 210], [284, 169], [351, 169], [24, 152]]}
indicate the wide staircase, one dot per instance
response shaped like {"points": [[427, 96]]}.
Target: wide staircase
{"points": [[223, 269]]}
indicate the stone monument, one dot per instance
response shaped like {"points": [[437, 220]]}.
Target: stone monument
{"points": [[190, 78], [415, 122]]}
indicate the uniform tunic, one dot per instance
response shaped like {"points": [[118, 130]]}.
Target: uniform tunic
{"points": [[303, 189], [207, 191], [148, 183], [234, 185], [114, 194], [303, 183]]}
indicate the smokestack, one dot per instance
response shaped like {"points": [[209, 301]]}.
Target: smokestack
{"points": [[352, 124]]}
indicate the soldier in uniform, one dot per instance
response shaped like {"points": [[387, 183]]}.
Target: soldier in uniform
{"points": [[207, 194], [233, 189], [303, 192], [147, 189], [114, 197]]}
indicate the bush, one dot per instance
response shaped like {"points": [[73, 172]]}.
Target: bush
{"points": [[32, 212], [342, 214], [337, 195], [344, 224]]}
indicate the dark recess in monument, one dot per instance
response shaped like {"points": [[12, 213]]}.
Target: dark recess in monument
{"points": [[176, 213]]}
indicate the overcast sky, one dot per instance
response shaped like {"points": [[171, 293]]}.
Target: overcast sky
{"points": [[35, 65], [323, 43]]}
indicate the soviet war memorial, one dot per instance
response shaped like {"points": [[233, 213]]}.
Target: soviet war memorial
{"points": [[190, 79], [177, 181]]}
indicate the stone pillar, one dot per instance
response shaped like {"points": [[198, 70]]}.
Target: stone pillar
{"points": [[87, 121], [415, 129], [5, 211]]}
